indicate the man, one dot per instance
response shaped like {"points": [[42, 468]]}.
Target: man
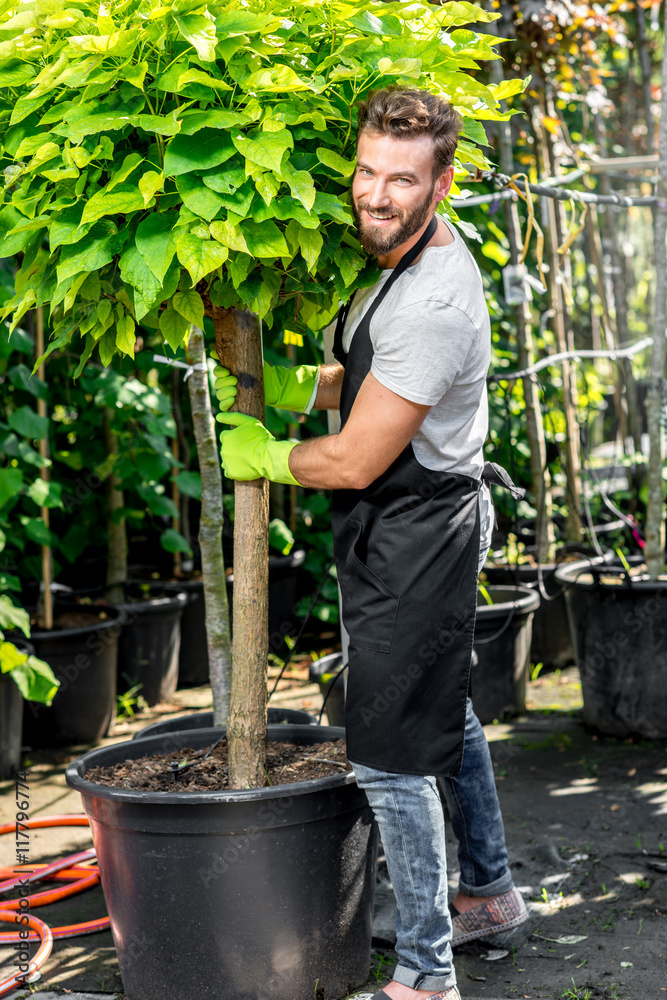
{"points": [[407, 474]]}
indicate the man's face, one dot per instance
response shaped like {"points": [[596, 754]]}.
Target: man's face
{"points": [[393, 191]]}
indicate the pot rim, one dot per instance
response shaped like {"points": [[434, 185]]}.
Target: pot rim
{"points": [[529, 600], [565, 573], [93, 790], [70, 633]]}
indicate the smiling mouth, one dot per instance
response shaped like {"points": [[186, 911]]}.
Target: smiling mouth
{"points": [[379, 218]]}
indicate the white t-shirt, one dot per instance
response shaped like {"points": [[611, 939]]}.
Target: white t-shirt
{"points": [[431, 339]]}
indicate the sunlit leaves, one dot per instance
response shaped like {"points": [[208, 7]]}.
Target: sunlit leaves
{"points": [[199, 257]]}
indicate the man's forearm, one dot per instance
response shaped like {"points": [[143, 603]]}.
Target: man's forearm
{"points": [[321, 463], [329, 386]]}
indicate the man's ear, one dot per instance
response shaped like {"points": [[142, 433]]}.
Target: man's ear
{"points": [[444, 184]]}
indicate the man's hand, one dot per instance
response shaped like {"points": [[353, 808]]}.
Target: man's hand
{"points": [[289, 388], [250, 451]]}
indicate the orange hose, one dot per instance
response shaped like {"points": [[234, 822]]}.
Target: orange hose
{"points": [[69, 869], [41, 931]]}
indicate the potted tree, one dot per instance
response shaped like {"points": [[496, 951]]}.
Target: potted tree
{"points": [[617, 611], [198, 162]]}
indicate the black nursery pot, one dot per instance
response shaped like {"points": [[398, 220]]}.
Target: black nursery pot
{"points": [[619, 633], [84, 661], [11, 719], [204, 720], [253, 894], [502, 644], [551, 642], [149, 647]]}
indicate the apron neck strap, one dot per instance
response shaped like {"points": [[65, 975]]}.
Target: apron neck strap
{"points": [[402, 265]]}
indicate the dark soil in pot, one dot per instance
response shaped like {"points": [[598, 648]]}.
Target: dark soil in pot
{"points": [[204, 720], [205, 771], [619, 630], [502, 644], [148, 652], [235, 895], [82, 651]]}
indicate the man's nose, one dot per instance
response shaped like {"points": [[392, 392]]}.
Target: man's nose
{"points": [[378, 193]]}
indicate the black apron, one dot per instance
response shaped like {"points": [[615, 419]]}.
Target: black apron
{"points": [[406, 549]]}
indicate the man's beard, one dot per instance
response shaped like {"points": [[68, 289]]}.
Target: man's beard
{"points": [[380, 242]]}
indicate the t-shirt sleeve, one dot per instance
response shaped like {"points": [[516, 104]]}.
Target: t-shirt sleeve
{"points": [[423, 348]]}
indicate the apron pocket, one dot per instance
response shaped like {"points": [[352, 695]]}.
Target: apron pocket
{"points": [[370, 607]]}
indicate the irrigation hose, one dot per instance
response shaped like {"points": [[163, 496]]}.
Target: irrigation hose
{"points": [[74, 869]]}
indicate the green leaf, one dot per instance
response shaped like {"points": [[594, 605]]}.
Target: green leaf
{"points": [[300, 184], [199, 198], [11, 245], [129, 164], [277, 80], [189, 483], [135, 271], [123, 199], [36, 681], [107, 347], [149, 184], [158, 504], [335, 161], [66, 226], [200, 257], [189, 304], [12, 617], [329, 205], [199, 30], [10, 657], [508, 88], [229, 235], [264, 239], [474, 130], [194, 121], [92, 252], [208, 148], [173, 327], [371, 24], [21, 378], [350, 264], [401, 67], [155, 241], [310, 244], [45, 494], [174, 541], [266, 149], [125, 336], [27, 423], [225, 181], [36, 530], [289, 208], [205, 79]]}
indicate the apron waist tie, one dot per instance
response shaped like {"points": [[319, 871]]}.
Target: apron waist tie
{"points": [[497, 476]]}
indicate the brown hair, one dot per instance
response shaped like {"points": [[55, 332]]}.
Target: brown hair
{"points": [[407, 114]]}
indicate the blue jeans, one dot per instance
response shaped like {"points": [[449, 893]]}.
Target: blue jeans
{"points": [[409, 813]]}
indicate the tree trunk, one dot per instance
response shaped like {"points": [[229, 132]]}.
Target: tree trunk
{"points": [[655, 519], [210, 533], [181, 448], [239, 347], [645, 66], [45, 603], [117, 542]]}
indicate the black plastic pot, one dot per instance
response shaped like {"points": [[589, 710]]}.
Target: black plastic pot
{"points": [[332, 687], [551, 643], [204, 720], [502, 643], [84, 661], [619, 633], [254, 894], [149, 647]]}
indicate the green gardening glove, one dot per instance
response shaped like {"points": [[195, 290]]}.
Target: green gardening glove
{"points": [[249, 451], [289, 388], [226, 387]]}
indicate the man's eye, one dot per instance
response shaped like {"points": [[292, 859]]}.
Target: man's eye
{"points": [[403, 180]]}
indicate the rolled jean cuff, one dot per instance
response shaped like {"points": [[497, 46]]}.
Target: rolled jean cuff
{"points": [[502, 884], [419, 981]]}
